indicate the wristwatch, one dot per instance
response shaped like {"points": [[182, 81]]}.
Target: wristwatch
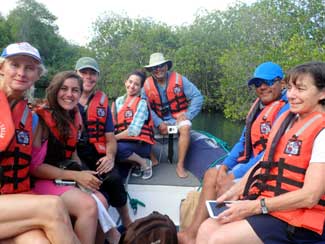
{"points": [[263, 206]]}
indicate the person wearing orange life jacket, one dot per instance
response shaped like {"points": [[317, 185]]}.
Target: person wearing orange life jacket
{"points": [[173, 100], [133, 125], [20, 67], [284, 195], [55, 141], [270, 103], [97, 144]]}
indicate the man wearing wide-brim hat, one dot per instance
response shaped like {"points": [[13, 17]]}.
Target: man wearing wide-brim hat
{"points": [[174, 100]]}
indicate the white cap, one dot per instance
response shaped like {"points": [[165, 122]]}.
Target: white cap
{"points": [[21, 48]]}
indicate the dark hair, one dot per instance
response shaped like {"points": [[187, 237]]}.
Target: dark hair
{"points": [[60, 116], [140, 73], [315, 69]]}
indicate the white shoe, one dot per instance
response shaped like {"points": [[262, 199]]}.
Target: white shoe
{"points": [[147, 172]]}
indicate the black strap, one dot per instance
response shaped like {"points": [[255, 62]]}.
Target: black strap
{"points": [[170, 147]]}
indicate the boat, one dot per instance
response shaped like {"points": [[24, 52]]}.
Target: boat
{"points": [[165, 190]]}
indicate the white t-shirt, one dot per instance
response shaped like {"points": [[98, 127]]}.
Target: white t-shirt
{"points": [[318, 153]]}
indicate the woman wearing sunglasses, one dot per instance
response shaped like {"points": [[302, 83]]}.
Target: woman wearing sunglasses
{"points": [[282, 198]]}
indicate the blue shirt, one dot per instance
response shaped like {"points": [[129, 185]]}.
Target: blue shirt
{"points": [[193, 96], [140, 116], [231, 160]]}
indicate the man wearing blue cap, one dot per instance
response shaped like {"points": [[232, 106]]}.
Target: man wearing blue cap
{"points": [[270, 103]]}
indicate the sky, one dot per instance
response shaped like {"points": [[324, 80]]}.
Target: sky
{"points": [[75, 17]]}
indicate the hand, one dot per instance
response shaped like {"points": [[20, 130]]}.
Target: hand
{"points": [[163, 129], [87, 179], [238, 210], [222, 172], [231, 194], [225, 183], [180, 117], [105, 164]]}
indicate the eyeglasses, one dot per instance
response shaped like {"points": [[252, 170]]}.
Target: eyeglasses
{"points": [[258, 83], [160, 66]]}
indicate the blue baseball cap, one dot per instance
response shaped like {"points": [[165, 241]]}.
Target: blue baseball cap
{"points": [[21, 48], [266, 71]]}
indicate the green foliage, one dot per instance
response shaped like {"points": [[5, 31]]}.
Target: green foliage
{"points": [[122, 44], [30, 21], [218, 52]]}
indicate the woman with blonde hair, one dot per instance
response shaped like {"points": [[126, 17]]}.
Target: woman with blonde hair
{"points": [[24, 217]]}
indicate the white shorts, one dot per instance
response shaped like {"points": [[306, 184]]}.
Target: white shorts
{"points": [[183, 123]]}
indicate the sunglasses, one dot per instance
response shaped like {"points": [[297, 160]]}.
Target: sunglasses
{"points": [[258, 83], [160, 66]]}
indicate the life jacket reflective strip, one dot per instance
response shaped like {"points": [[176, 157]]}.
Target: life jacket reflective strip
{"points": [[177, 101], [124, 117], [96, 115], [69, 145], [15, 160], [7, 127], [258, 128], [284, 165]]}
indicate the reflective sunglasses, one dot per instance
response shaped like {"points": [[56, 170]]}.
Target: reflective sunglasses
{"points": [[258, 83], [160, 66]]}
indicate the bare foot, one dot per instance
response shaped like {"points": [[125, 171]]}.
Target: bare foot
{"points": [[181, 172], [153, 159], [184, 238]]}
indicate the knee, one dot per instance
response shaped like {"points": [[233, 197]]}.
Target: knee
{"points": [[88, 206], [31, 237], [204, 232], [103, 200], [55, 209], [39, 240], [210, 177], [184, 130]]}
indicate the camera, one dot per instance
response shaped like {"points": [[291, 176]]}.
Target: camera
{"points": [[164, 110], [172, 129]]}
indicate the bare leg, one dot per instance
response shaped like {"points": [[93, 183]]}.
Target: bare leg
{"points": [[83, 207], [153, 159], [29, 237], [125, 216], [183, 144], [208, 192], [112, 236], [212, 232], [136, 158], [30, 215]]}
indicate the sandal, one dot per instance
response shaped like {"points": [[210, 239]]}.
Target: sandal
{"points": [[136, 171], [147, 172]]}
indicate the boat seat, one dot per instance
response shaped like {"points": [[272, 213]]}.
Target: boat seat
{"points": [[170, 138]]}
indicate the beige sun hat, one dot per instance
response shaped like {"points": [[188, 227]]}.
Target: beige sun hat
{"points": [[156, 59]]}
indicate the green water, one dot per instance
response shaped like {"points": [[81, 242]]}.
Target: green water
{"points": [[219, 126]]}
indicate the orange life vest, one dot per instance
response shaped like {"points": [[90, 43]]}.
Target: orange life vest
{"points": [[258, 128], [96, 115], [124, 117], [63, 149], [177, 101], [7, 128], [284, 165], [15, 160]]}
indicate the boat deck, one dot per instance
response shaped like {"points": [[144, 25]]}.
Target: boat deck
{"points": [[165, 190]]}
